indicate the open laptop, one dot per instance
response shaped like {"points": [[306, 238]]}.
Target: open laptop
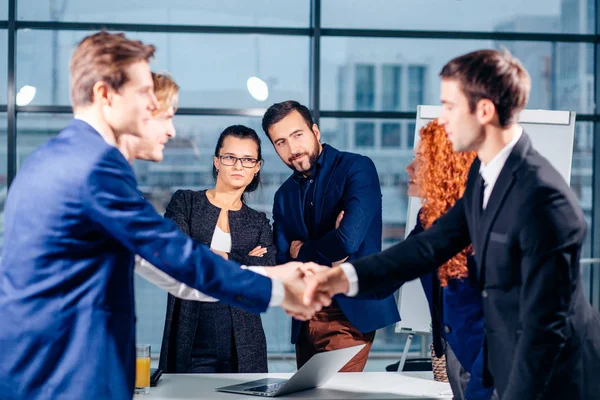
{"points": [[318, 370]]}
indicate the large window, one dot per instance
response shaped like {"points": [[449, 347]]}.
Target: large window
{"points": [[364, 72], [282, 13], [212, 70], [559, 72], [545, 16]]}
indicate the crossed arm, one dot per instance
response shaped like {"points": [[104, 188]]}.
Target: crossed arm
{"points": [[361, 202]]}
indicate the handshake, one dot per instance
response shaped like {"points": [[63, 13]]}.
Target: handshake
{"points": [[308, 287]]}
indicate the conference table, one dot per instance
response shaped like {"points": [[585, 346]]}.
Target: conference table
{"points": [[363, 385]]}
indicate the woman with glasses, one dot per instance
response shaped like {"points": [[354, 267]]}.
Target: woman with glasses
{"points": [[211, 337]]}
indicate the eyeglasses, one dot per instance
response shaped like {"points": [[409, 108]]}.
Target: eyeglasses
{"points": [[231, 161]]}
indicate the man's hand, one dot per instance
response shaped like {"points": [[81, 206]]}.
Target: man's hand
{"points": [[295, 248], [335, 264], [284, 271], [221, 253], [258, 251], [338, 221], [293, 301], [311, 268], [325, 285]]}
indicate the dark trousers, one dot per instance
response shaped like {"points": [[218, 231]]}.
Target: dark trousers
{"points": [[214, 350], [328, 330], [458, 377]]}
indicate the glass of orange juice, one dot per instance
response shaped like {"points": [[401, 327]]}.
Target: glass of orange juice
{"points": [[142, 369]]}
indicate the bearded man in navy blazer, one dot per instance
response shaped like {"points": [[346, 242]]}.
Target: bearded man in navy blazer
{"points": [[328, 211], [74, 220]]}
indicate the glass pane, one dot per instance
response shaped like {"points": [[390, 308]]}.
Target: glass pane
{"points": [[546, 16], [365, 87], [581, 175], [410, 135], [391, 76], [364, 134], [390, 134], [3, 67], [3, 9], [34, 130], [3, 173], [212, 70], [399, 74], [581, 183], [284, 13]]}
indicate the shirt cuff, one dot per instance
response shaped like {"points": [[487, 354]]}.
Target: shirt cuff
{"points": [[277, 288], [277, 293], [352, 278]]}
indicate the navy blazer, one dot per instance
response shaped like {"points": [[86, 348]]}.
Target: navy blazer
{"points": [[457, 316], [348, 182], [73, 221]]}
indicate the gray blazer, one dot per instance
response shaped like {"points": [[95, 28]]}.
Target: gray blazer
{"points": [[197, 217]]}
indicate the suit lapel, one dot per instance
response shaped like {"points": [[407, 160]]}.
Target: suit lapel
{"points": [[471, 203], [324, 179], [293, 198], [502, 187]]}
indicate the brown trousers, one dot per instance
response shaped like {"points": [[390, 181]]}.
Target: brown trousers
{"points": [[328, 330]]}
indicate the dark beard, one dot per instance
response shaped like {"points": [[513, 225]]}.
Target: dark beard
{"points": [[312, 158]]}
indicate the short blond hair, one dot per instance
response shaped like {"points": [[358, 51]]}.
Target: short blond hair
{"points": [[165, 90]]}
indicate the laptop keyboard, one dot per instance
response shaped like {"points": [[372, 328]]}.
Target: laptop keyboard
{"points": [[268, 388]]}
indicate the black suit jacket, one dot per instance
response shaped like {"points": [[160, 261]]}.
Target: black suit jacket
{"points": [[197, 217], [542, 335]]}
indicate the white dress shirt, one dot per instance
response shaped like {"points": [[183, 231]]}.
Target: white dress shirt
{"points": [[178, 289], [166, 282], [489, 172], [104, 136]]}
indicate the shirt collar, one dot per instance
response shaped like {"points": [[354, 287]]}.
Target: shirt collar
{"points": [[104, 136], [490, 171]]}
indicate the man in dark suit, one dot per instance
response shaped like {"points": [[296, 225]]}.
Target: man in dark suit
{"points": [[527, 228], [329, 210], [74, 220]]}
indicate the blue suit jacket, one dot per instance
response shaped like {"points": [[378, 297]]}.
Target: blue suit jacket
{"points": [[457, 316], [73, 221], [346, 182]]}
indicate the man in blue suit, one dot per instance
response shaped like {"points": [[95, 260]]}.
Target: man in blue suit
{"points": [[74, 220], [328, 211]]}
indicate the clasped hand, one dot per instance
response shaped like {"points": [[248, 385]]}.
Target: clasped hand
{"points": [[308, 287]]}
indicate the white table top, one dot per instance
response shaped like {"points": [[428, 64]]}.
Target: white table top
{"points": [[364, 385]]}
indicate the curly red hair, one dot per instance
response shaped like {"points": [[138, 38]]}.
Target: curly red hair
{"points": [[441, 176]]}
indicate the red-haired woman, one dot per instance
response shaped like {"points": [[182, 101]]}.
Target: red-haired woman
{"points": [[438, 175]]}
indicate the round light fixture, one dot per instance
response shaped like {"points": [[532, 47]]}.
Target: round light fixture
{"points": [[25, 95], [257, 88]]}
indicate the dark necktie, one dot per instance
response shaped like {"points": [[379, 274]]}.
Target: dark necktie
{"points": [[480, 189]]}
